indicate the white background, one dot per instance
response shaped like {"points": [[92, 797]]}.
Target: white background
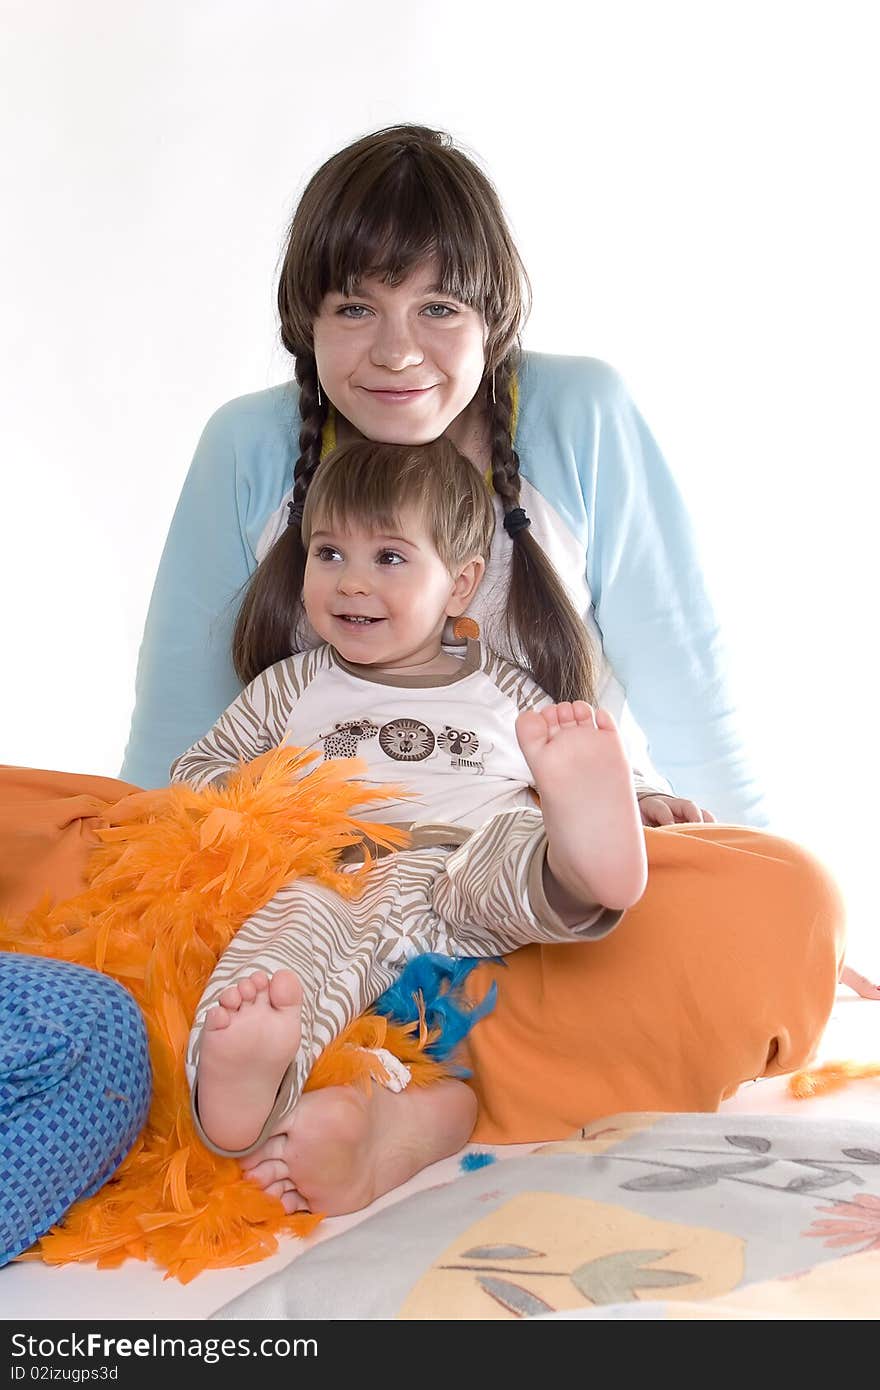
{"points": [[693, 187]]}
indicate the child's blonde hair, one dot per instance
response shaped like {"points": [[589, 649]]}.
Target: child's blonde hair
{"points": [[370, 485]]}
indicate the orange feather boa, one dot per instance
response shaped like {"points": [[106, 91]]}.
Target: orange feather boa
{"points": [[177, 873]]}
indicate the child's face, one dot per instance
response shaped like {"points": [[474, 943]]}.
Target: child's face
{"points": [[398, 581]]}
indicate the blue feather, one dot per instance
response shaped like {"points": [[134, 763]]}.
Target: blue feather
{"points": [[469, 1162], [440, 982]]}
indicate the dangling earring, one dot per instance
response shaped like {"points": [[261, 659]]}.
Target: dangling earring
{"points": [[320, 397], [465, 627], [493, 386]]}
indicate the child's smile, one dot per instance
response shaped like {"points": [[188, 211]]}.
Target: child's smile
{"points": [[380, 598]]}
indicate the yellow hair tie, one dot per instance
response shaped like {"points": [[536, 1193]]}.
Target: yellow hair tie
{"points": [[328, 434]]}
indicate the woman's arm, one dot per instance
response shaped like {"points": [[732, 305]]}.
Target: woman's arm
{"points": [[185, 676], [659, 629]]}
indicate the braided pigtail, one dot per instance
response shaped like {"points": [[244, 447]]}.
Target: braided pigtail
{"points": [[267, 620], [313, 414], [542, 623]]}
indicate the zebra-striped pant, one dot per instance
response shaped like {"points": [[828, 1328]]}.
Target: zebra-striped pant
{"points": [[457, 892]]}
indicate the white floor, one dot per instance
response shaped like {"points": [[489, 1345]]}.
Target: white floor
{"points": [[853, 1035], [33, 1291]]}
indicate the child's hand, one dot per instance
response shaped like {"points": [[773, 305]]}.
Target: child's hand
{"points": [[670, 810]]}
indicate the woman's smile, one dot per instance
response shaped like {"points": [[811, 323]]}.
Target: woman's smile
{"points": [[393, 394]]}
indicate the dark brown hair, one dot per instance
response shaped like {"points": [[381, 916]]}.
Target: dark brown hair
{"points": [[380, 207]]}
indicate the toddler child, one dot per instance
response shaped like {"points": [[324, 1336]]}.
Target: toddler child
{"points": [[395, 541]]}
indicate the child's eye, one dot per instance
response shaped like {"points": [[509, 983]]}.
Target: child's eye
{"points": [[390, 557], [353, 311], [439, 311], [326, 552]]}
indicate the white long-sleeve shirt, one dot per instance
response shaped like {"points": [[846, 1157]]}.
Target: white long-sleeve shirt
{"points": [[449, 740]]}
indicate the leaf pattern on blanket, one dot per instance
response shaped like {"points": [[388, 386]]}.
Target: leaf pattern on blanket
{"points": [[627, 1273], [680, 1177], [754, 1142], [501, 1252], [685, 1179], [615, 1278], [514, 1297], [825, 1176], [543, 1251]]}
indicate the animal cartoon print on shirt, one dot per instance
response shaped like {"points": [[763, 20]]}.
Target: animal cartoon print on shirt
{"points": [[464, 748], [406, 740], [343, 739]]}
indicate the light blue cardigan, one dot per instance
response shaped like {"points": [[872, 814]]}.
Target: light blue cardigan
{"points": [[584, 447]]}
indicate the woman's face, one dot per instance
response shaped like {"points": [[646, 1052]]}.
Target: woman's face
{"points": [[400, 362]]}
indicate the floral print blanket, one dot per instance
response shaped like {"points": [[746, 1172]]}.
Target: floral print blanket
{"points": [[662, 1216]]}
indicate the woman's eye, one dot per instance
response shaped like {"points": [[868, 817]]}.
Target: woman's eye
{"points": [[439, 311], [390, 557], [353, 311]]}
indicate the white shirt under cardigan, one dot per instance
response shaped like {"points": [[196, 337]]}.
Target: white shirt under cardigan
{"points": [[448, 739]]}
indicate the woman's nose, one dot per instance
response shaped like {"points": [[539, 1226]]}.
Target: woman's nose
{"points": [[395, 345]]}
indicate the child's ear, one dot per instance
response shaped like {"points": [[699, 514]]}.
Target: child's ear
{"points": [[466, 585]]}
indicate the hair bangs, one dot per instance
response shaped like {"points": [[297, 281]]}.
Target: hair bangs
{"points": [[395, 223], [366, 485], [371, 485], [384, 205]]}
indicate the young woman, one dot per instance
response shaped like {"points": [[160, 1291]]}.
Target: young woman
{"points": [[401, 300]]}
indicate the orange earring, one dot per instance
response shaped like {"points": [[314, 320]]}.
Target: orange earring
{"points": [[464, 628]]}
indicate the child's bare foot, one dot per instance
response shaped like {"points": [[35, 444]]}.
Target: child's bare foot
{"points": [[341, 1148], [250, 1038], [596, 845]]}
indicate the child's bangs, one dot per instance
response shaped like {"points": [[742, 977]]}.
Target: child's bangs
{"points": [[360, 491], [343, 514]]}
